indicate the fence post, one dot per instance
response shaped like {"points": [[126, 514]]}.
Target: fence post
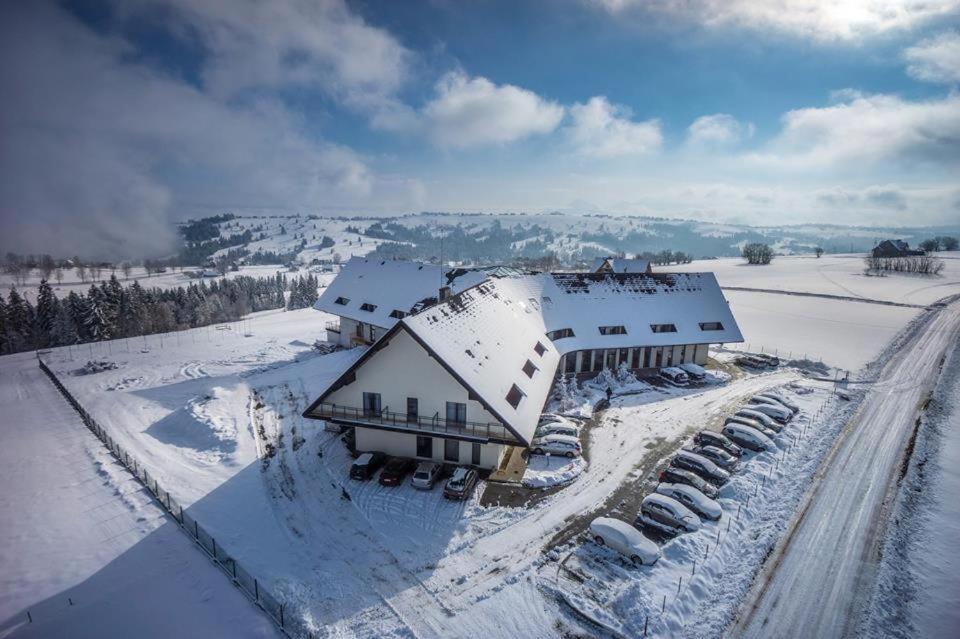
{"points": [[256, 590], [281, 615], [679, 584], [214, 547]]}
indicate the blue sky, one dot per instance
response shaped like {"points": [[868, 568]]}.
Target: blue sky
{"points": [[780, 111]]}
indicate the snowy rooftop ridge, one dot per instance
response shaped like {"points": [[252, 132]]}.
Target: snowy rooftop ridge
{"points": [[620, 264]]}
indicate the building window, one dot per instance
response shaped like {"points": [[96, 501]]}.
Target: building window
{"points": [[540, 349], [547, 300], [475, 454], [598, 360], [635, 355], [424, 446], [613, 330], [451, 450], [456, 413], [397, 314], [711, 326], [560, 333], [368, 307], [342, 301], [529, 368], [413, 409], [514, 396], [611, 359], [663, 328], [371, 404], [570, 363], [624, 353]]}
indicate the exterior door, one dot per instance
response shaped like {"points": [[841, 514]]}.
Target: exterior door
{"points": [[371, 404], [451, 450], [475, 455], [413, 409], [456, 413], [424, 446]]}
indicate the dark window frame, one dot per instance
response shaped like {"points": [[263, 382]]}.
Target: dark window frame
{"points": [[560, 333], [711, 326], [613, 330], [459, 413], [413, 415], [372, 404], [530, 369], [342, 301], [515, 395], [397, 314], [539, 349], [663, 328], [368, 307]]}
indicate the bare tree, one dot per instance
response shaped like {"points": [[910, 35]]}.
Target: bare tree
{"points": [[47, 266], [58, 274], [82, 272], [126, 268]]}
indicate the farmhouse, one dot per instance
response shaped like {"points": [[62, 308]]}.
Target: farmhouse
{"points": [[462, 379], [620, 265], [894, 248]]}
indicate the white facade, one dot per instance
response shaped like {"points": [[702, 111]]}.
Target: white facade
{"points": [[352, 332], [408, 445]]}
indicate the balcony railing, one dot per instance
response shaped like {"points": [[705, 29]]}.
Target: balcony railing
{"points": [[402, 422], [333, 327]]}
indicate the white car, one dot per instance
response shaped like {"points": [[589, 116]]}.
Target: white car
{"points": [[675, 376], [694, 371], [558, 428], [625, 539], [425, 475], [781, 399], [667, 514], [767, 421], [780, 413], [692, 499], [747, 437], [556, 445]]}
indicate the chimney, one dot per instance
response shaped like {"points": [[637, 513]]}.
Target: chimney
{"points": [[444, 293]]}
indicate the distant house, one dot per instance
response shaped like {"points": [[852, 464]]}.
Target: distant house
{"points": [[464, 376], [619, 265], [894, 248]]}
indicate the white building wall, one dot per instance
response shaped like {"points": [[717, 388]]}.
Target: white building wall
{"points": [[404, 369], [405, 445], [701, 357]]}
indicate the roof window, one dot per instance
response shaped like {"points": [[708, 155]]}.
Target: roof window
{"points": [[529, 368], [540, 349], [560, 333], [663, 328], [514, 396], [395, 314], [613, 330], [711, 326], [342, 301], [368, 307]]}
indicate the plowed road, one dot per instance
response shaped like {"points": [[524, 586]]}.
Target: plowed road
{"points": [[817, 577]]}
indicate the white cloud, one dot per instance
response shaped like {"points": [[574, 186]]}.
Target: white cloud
{"points": [[888, 196], [602, 129], [936, 59], [470, 112], [108, 152], [814, 19], [717, 129], [867, 130]]}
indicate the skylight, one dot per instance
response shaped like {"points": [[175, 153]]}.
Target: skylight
{"points": [[711, 326], [529, 368], [540, 349], [613, 330], [368, 307], [514, 396], [342, 301], [663, 328]]}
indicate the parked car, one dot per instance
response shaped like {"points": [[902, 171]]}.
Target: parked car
{"points": [[693, 499], [711, 438], [757, 415], [425, 475], [558, 428], [718, 456], [625, 539], [556, 445], [694, 371], [395, 471], [675, 376], [749, 361], [669, 515], [701, 466], [780, 413], [763, 400], [461, 484], [771, 360], [782, 400], [674, 475], [748, 437], [752, 423], [366, 465]]}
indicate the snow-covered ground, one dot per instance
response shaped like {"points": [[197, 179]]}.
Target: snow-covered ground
{"points": [[83, 549]]}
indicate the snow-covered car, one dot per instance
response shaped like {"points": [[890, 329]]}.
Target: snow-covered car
{"points": [[718, 456], [558, 428], [625, 539], [749, 361], [752, 423], [395, 471], [425, 475], [675, 376], [748, 437], [780, 413], [460, 484], [701, 466], [667, 514], [674, 475], [694, 371], [780, 399], [366, 465], [693, 499], [711, 438], [771, 360], [768, 422], [556, 445]]}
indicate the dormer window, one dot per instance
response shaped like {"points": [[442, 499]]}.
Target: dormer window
{"points": [[540, 349], [368, 307], [530, 368], [663, 328], [711, 326], [514, 396], [397, 314], [613, 330], [342, 301], [560, 333]]}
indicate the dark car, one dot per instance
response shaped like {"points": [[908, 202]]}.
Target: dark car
{"points": [[396, 470], [461, 484], [701, 466], [711, 438], [749, 361], [366, 465], [674, 475], [717, 455]]}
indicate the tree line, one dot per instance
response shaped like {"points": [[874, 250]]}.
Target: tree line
{"points": [[920, 264], [111, 311]]}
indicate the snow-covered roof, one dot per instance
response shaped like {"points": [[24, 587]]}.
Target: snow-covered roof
{"points": [[620, 265], [380, 292]]}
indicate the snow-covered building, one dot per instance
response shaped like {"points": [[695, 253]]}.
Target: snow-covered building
{"points": [[620, 265], [461, 379]]}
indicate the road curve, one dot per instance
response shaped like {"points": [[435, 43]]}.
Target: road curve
{"points": [[814, 582]]}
